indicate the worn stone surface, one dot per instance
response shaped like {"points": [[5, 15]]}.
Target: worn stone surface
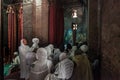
{"points": [[93, 29], [110, 40], [27, 22], [40, 17]]}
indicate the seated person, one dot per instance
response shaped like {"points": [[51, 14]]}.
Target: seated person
{"points": [[16, 60]]}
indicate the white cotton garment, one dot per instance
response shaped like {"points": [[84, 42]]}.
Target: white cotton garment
{"points": [[35, 44], [84, 48], [65, 69], [23, 49], [74, 48], [30, 58], [57, 53], [49, 49], [39, 68]]}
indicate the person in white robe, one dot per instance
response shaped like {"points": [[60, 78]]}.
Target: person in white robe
{"points": [[16, 60], [56, 53], [30, 58], [39, 68], [64, 68], [74, 48], [49, 49], [35, 45], [23, 50]]}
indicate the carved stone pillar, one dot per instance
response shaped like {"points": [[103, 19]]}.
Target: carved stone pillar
{"points": [[40, 20], [93, 27], [27, 21], [1, 55]]}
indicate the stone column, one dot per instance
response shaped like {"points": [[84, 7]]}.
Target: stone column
{"points": [[110, 44], [27, 21], [1, 55], [93, 28], [40, 20]]}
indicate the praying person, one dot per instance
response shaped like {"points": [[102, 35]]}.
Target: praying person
{"points": [[23, 49]]}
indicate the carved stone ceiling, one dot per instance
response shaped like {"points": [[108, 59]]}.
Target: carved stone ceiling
{"points": [[73, 2]]}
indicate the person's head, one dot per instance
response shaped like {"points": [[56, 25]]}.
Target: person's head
{"points": [[84, 48], [35, 40], [62, 56], [78, 52], [23, 42], [74, 48], [51, 46], [69, 46], [15, 53], [57, 50], [41, 54]]}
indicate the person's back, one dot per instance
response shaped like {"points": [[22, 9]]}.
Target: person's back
{"points": [[82, 70], [65, 68], [38, 71], [39, 68]]}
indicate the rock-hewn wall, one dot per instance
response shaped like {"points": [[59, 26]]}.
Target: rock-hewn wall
{"points": [[1, 59], [27, 22], [110, 40], [40, 23], [93, 34]]}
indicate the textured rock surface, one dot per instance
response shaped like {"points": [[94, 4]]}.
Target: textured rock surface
{"points": [[27, 22], [110, 40]]}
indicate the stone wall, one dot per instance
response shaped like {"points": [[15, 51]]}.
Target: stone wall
{"points": [[27, 22], [40, 23], [1, 58], [93, 29], [110, 40]]}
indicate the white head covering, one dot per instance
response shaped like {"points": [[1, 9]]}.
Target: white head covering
{"points": [[35, 44], [23, 50], [84, 48], [41, 54], [62, 56], [15, 53], [22, 44], [24, 47], [35, 40], [51, 46], [49, 49], [16, 60]]}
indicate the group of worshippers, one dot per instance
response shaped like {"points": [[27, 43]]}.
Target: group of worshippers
{"points": [[49, 63]]}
